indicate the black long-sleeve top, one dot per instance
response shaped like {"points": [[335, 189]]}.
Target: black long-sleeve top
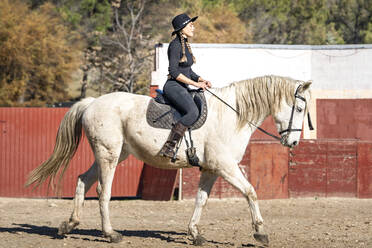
{"points": [[174, 56]]}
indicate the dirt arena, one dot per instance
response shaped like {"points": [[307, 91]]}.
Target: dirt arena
{"points": [[309, 222]]}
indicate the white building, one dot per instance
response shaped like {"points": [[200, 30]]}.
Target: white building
{"points": [[337, 71]]}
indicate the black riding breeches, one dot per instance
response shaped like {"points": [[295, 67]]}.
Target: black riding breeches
{"points": [[182, 100]]}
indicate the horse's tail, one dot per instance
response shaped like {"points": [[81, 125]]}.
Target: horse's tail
{"points": [[67, 141]]}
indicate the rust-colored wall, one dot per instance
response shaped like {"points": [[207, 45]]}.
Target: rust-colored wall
{"points": [[269, 169], [158, 184], [364, 186], [269, 126], [344, 119], [323, 168], [27, 138], [265, 164]]}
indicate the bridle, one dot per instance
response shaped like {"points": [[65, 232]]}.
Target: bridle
{"points": [[288, 130]]}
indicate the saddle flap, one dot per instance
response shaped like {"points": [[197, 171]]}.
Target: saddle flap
{"points": [[160, 114]]}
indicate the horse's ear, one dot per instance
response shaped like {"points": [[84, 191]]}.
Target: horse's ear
{"points": [[305, 86]]}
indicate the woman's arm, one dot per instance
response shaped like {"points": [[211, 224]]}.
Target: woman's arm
{"points": [[200, 84], [194, 76]]}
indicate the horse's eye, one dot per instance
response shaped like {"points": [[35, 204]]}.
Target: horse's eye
{"points": [[299, 109]]}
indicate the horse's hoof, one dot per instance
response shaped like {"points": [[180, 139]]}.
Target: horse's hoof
{"points": [[64, 228], [199, 241], [115, 237], [262, 238]]}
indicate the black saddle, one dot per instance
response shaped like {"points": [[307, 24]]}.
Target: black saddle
{"points": [[160, 113]]}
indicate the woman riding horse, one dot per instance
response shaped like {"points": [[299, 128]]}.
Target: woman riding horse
{"points": [[181, 75]]}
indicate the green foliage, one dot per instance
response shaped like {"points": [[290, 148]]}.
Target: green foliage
{"points": [[218, 22], [352, 19], [38, 50], [289, 21], [37, 55], [90, 15]]}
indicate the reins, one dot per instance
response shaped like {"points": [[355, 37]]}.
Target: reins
{"points": [[289, 129], [261, 129]]}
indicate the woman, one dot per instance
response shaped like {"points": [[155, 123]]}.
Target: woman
{"points": [[180, 76]]}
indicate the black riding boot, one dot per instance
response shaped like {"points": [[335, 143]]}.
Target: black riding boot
{"points": [[174, 137]]}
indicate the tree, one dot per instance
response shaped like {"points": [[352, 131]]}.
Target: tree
{"points": [[289, 21], [126, 50], [218, 22], [353, 19], [38, 55]]}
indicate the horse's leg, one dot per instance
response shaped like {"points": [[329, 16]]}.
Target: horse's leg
{"points": [[84, 182], [207, 180], [235, 177], [107, 161]]}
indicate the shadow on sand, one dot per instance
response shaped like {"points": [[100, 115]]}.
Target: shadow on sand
{"points": [[96, 235]]}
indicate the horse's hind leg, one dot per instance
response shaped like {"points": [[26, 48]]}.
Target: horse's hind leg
{"points": [[84, 182], [235, 177], [207, 180], [107, 157]]}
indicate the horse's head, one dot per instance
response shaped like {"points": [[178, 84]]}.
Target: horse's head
{"points": [[289, 118]]}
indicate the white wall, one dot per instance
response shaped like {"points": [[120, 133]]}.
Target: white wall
{"points": [[330, 67], [337, 71]]}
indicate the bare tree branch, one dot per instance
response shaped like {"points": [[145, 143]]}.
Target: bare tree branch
{"points": [[126, 51]]}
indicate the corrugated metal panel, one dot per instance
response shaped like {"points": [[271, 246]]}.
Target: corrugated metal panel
{"points": [[190, 182], [158, 184], [27, 138]]}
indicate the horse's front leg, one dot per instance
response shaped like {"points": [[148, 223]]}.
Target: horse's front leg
{"points": [[235, 177], [207, 180]]}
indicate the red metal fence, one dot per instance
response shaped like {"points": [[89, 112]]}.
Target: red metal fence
{"points": [[27, 137], [323, 167]]}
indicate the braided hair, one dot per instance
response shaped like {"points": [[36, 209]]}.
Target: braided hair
{"points": [[183, 42]]}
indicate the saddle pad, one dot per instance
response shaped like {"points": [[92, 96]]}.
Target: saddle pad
{"points": [[164, 116]]}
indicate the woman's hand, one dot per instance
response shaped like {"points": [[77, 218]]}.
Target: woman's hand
{"points": [[201, 85], [204, 83]]}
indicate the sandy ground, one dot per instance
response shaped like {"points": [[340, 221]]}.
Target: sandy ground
{"points": [[309, 222]]}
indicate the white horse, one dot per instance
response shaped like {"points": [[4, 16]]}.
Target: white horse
{"points": [[115, 125]]}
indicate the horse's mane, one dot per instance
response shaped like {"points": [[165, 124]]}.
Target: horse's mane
{"points": [[257, 97]]}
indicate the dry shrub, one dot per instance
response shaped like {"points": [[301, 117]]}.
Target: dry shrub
{"points": [[38, 55]]}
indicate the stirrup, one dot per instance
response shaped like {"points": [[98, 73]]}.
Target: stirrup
{"points": [[167, 150], [192, 157], [174, 158], [191, 152]]}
